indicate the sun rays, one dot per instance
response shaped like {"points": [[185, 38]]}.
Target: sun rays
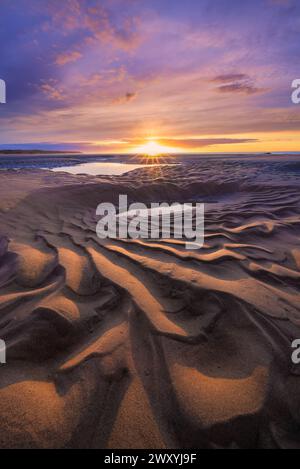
{"points": [[152, 149]]}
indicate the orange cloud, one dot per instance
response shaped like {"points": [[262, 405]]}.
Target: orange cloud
{"points": [[68, 57], [52, 91]]}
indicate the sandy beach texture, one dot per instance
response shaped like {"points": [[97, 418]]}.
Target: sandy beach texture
{"points": [[143, 344]]}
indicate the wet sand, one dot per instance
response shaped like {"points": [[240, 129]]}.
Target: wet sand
{"points": [[142, 343]]}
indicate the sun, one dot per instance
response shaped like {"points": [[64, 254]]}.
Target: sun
{"points": [[153, 148]]}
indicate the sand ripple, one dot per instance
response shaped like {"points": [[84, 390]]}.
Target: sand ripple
{"points": [[142, 343]]}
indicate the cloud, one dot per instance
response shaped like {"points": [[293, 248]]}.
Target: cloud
{"points": [[236, 83], [230, 78], [129, 96], [243, 88], [52, 91], [96, 22], [194, 143], [68, 57], [106, 77]]}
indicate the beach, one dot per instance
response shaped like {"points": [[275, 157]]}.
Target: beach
{"points": [[143, 343]]}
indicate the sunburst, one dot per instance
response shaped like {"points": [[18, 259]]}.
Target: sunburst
{"points": [[152, 149]]}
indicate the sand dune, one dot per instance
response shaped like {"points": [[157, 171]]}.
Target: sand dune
{"points": [[140, 343]]}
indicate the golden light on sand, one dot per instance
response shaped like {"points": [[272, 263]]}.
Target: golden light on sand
{"points": [[153, 148]]}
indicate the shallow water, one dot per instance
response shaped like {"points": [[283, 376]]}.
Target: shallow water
{"points": [[101, 169]]}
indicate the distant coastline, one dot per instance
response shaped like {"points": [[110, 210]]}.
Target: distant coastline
{"points": [[39, 152]]}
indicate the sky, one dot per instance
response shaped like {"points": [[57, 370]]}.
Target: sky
{"points": [[118, 76]]}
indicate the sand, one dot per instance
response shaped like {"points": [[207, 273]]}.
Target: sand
{"points": [[143, 344]]}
